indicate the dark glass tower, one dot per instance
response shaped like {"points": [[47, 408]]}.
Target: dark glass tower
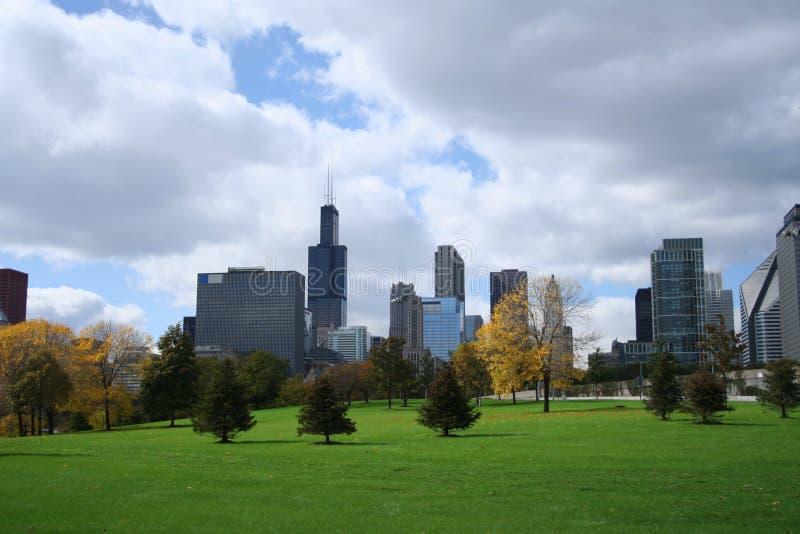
{"points": [[644, 315], [327, 274], [503, 282], [14, 295]]}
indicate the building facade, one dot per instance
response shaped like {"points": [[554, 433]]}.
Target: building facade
{"points": [[352, 342], [471, 325], [449, 272], [327, 274], [190, 327], [787, 248], [406, 320], [14, 295], [677, 276], [760, 311], [719, 301], [249, 309], [502, 282], [443, 325], [644, 315]]}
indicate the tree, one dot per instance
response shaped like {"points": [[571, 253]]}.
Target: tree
{"points": [[388, 365], [105, 350], [323, 412], [406, 379], [471, 370], [597, 372], [723, 346], [447, 407], [293, 391], [222, 410], [345, 379], [262, 375], [169, 383], [782, 389], [426, 372], [664, 394], [366, 379], [705, 395]]}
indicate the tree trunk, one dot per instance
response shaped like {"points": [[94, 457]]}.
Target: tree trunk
{"points": [[51, 418], [327, 438], [783, 412], [513, 396], [172, 418], [546, 391], [446, 432], [33, 420], [107, 406], [537, 391], [39, 417], [21, 424], [390, 399]]}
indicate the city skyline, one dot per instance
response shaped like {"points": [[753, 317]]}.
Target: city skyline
{"points": [[190, 140]]}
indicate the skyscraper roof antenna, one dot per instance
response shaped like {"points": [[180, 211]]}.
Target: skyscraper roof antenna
{"points": [[330, 196]]}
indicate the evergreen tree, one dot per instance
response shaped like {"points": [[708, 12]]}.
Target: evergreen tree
{"points": [[447, 407], [323, 412], [262, 375], [170, 380], [664, 394], [388, 366], [705, 395], [782, 388], [222, 409]]}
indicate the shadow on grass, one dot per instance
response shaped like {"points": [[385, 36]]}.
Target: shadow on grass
{"points": [[50, 454], [485, 435], [264, 442]]}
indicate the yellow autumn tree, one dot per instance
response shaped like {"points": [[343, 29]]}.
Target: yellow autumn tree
{"points": [[104, 351]]}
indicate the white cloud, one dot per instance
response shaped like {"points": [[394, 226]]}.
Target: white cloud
{"points": [[77, 308]]}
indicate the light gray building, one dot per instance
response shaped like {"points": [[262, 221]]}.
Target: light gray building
{"points": [[760, 311], [471, 325], [787, 248], [719, 301], [677, 275], [449, 272], [406, 320], [249, 309], [352, 342]]}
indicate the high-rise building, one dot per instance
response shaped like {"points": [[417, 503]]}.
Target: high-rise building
{"points": [[327, 272], [406, 320], [719, 301], [449, 272], [503, 282], [14, 295], [760, 310], [3, 319], [249, 309], [376, 341], [190, 327], [352, 342], [678, 285], [788, 252], [644, 315], [471, 325], [443, 325]]}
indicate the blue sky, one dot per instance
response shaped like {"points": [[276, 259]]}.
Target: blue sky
{"points": [[183, 141]]}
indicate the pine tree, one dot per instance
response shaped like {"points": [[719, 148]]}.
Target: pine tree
{"points": [[222, 409], [782, 388], [705, 396], [323, 412], [447, 407], [664, 395]]}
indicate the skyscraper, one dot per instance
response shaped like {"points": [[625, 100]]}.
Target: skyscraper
{"points": [[190, 327], [502, 282], [406, 320], [678, 285], [249, 309], [471, 325], [327, 272], [352, 342], [449, 272], [644, 315], [788, 254], [443, 325], [719, 301], [760, 310], [14, 295]]}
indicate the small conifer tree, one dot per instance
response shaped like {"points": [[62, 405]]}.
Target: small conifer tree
{"points": [[222, 409], [447, 407], [705, 396], [323, 412], [782, 389], [664, 394]]}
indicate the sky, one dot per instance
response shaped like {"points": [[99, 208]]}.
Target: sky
{"points": [[144, 141]]}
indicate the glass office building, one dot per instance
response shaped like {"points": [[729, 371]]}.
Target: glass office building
{"points": [[352, 342], [249, 309], [677, 274], [760, 310], [471, 325], [787, 250], [327, 275], [443, 325]]}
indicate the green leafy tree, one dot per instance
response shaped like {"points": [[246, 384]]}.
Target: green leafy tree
{"points": [[388, 366], [262, 374], [723, 347], [345, 379], [170, 381], [406, 380], [782, 389], [222, 410], [664, 394], [597, 372], [705, 396], [293, 391], [426, 372], [447, 408], [471, 370], [323, 412], [39, 385]]}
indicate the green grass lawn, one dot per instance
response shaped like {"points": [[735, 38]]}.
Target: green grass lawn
{"points": [[587, 466]]}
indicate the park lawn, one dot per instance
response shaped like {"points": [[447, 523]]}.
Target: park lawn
{"points": [[586, 466]]}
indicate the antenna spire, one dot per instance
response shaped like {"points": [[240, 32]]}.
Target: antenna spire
{"points": [[330, 196]]}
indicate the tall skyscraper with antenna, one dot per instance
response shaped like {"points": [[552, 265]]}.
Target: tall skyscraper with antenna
{"points": [[327, 271]]}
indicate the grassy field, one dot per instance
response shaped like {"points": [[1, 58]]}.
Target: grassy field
{"points": [[588, 466]]}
